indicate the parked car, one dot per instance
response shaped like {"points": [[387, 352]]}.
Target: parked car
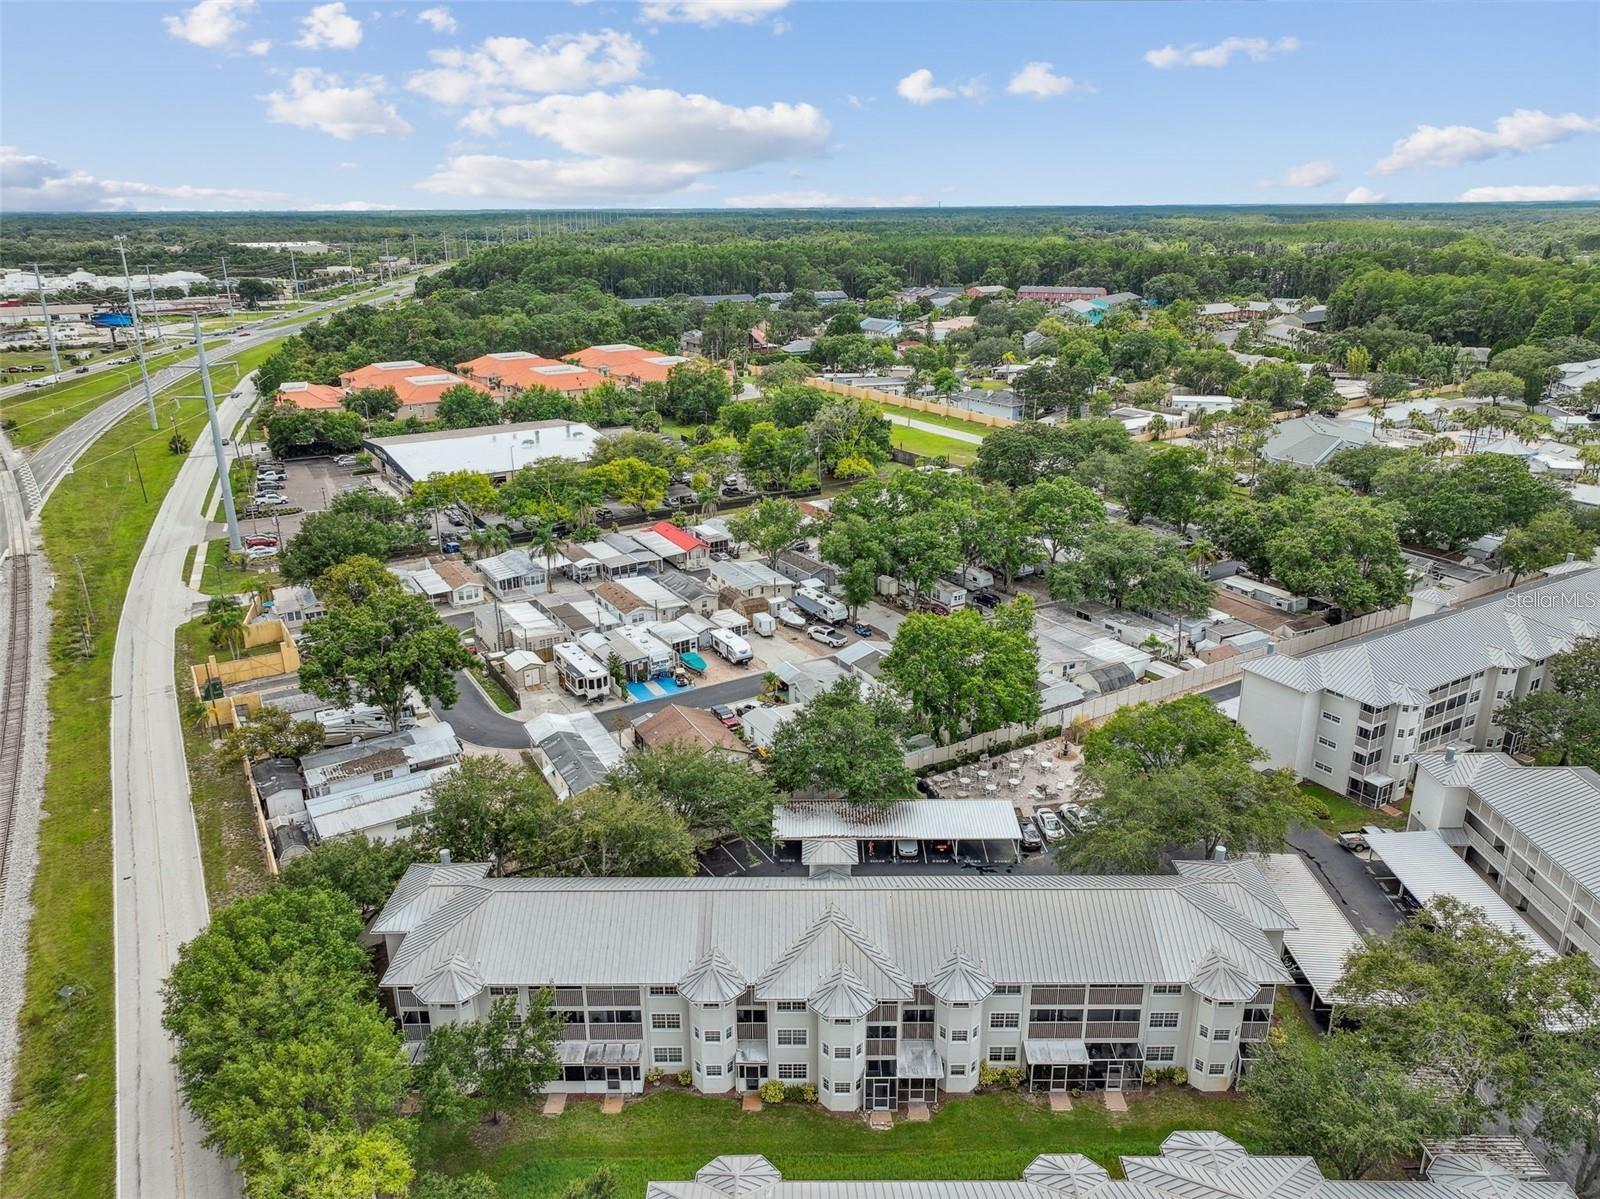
{"points": [[1050, 825], [1032, 842], [450, 545], [1353, 841], [345, 460], [935, 607], [271, 497], [822, 633], [82, 370], [258, 541], [718, 556], [861, 629], [259, 552], [1070, 816], [799, 547], [985, 599], [727, 715], [910, 850]]}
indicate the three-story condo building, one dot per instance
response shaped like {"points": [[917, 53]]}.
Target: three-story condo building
{"points": [[875, 990]]}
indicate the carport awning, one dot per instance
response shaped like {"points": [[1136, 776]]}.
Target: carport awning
{"points": [[910, 819], [918, 1059], [1055, 1053], [829, 851], [598, 1053], [1427, 867], [1323, 937]]}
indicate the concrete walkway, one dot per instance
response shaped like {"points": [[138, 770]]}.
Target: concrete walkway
{"points": [[937, 430]]}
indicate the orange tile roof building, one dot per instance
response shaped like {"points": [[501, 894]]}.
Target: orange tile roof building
{"points": [[628, 364], [418, 385], [511, 371], [309, 396]]}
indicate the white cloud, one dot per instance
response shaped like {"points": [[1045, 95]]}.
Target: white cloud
{"points": [[711, 12], [1364, 195], [1258, 49], [1451, 145], [637, 142], [1536, 191], [919, 88], [503, 68], [318, 100], [213, 24], [353, 206], [660, 126], [349, 166], [29, 182], [1307, 174], [822, 199], [329, 27], [259, 47], [1039, 80], [439, 19]]}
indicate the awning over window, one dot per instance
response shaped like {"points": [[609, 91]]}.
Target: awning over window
{"points": [[1055, 1053]]}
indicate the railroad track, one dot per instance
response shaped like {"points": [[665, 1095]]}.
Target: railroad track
{"points": [[14, 706]]}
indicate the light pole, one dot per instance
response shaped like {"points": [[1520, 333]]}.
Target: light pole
{"points": [[227, 288], [224, 481], [150, 282], [49, 330], [138, 339], [295, 275]]}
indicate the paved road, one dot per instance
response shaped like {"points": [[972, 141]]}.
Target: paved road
{"points": [[160, 895], [51, 462]]}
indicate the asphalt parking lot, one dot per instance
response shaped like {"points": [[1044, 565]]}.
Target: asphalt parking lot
{"points": [[309, 484]]}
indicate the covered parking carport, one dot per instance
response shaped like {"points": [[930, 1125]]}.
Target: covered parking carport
{"points": [[1323, 937], [1416, 867], [940, 830]]}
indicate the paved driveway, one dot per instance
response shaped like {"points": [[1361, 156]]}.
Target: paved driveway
{"points": [[1348, 880]]}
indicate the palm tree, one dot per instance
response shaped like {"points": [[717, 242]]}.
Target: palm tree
{"points": [[491, 539], [1589, 455], [226, 619], [545, 543], [1202, 555]]}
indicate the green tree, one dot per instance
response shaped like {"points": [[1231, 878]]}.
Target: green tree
{"points": [[254, 292], [1346, 1106], [364, 872], [1341, 548], [372, 403], [964, 675], [541, 403], [225, 616], [352, 1164], [612, 834], [775, 458], [1059, 512], [846, 428], [845, 745], [487, 810], [326, 539], [1128, 567], [1149, 737], [1562, 720], [553, 490], [1171, 483], [1549, 538], [355, 581], [1277, 385], [1021, 454], [501, 1060], [381, 651], [270, 733], [471, 492], [466, 407], [768, 527], [1531, 364], [713, 792], [696, 392], [633, 483], [1495, 385]]}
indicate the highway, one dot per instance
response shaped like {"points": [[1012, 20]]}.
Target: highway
{"points": [[160, 894], [54, 459]]}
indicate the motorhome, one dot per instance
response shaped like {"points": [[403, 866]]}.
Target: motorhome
{"points": [[820, 605], [731, 646]]}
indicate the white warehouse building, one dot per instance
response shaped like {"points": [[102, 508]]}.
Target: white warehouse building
{"points": [[1352, 717], [877, 990]]}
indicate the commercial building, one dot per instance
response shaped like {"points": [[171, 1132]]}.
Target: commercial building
{"points": [[1058, 294], [1533, 832], [1191, 1165], [497, 450], [512, 371], [310, 397], [1353, 716], [876, 990], [417, 385], [628, 365]]}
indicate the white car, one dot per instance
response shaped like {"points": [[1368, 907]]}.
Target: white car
{"points": [[822, 633], [271, 497], [1050, 825], [257, 552], [345, 460]]}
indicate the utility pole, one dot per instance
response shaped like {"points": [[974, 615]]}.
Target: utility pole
{"points": [[49, 330], [138, 338], [227, 288], [415, 261], [150, 282], [295, 275], [134, 450], [224, 482]]}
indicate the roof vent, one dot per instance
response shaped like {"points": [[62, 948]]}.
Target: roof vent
{"points": [[1449, 753], [1272, 649], [444, 857]]}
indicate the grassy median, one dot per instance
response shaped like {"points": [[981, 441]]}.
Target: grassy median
{"points": [[61, 1133]]}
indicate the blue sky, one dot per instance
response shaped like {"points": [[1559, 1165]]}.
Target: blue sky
{"points": [[715, 103]]}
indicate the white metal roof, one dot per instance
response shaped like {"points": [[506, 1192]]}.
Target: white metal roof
{"points": [[787, 932], [496, 450], [1428, 868], [921, 819], [578, 746], [373, 805], [1557, 808], [1528, 623], [1324, 937]]}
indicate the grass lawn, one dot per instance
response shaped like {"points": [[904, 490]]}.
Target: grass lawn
{"points": [[61, 1133], [671, 1134], [219, 578], [494, 688], [230, 847], [934, 418], [931, 445], [1345, 814]]}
